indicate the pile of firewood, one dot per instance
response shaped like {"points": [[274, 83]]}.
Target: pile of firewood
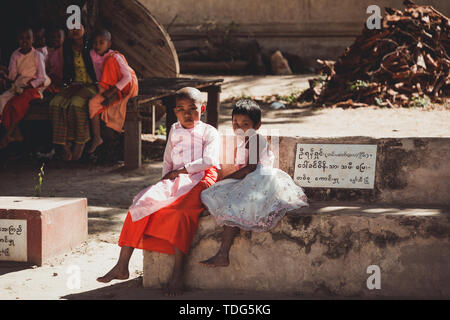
{"points": [[404, 63]]}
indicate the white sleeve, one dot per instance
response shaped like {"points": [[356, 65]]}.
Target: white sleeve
{"points": [[210, 153], [167, 162], [40, 74], [125, 71], [12, 70], [266, 156]]}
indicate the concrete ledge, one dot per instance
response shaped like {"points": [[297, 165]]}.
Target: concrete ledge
{"points": [[325, 250], [54, 225]]}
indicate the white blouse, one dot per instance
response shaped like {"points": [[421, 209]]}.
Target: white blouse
{"points": [[245, 156], [38, 74], [197, 150]]}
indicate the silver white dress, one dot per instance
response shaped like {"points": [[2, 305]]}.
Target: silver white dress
{"points": [[258, 201]]}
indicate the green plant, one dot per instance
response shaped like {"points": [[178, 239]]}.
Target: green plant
{"points": [[379, 102], [38, 187], [419, 102], [321, 79], [356, 85], [243, 96], [161, 130], [291, 98]]}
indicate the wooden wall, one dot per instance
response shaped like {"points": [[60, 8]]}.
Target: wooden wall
{"points": [[136, 33]]}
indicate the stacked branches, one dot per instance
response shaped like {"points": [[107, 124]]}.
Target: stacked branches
{"points": [[404, 63]]}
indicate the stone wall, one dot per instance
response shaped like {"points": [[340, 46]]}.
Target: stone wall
{"points": [[402, 226], [311, 29], [409, 171], [324, 251]]}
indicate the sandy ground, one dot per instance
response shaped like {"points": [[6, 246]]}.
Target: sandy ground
{"points": [[110, 189], [328, 122]]}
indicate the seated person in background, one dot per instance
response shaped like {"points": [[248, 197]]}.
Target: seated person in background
{"points": [[69, 108], [3, 75], [117, 84], [40, 42], [54, 66], [29, 80], [3, 78]]}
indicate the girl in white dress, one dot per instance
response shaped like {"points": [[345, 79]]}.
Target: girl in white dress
{"points": [[256, 196]]}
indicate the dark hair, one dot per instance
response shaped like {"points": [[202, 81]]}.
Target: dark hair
{"points": [[249, 108], [24, 28], [39, 28], [189, 93], [102, 33], [54, 28]]}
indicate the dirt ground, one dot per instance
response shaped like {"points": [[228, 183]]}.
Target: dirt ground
{"points": [[110, 190], [329, 122]]}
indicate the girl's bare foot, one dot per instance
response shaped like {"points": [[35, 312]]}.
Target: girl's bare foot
{"points": [[116, 273], [77, 151], [96, 142], [218, 260], [174, 287]]}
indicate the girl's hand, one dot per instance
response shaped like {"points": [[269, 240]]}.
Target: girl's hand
{"points": [[28, 86], [174, 174], [170, 175], [111, 92], [242, 173], [110, 95]]}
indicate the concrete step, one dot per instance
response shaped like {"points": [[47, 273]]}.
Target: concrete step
{"points": [[326, 249]]}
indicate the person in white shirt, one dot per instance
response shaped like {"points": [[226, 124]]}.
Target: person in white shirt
{"points": [[164, 217], [29, 80]]}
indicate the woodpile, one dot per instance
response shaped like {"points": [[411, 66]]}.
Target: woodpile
{"points": [[404, 63]]}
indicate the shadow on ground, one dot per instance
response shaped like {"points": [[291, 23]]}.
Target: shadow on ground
{"points": [[10, 267], [290, 114], [133, 290]]}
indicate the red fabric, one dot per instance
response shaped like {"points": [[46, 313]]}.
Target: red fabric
{"points": [[171, 226], [111, 74], [17, 107], [52, 88]]}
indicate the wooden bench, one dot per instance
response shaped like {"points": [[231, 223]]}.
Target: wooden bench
{"points": [[151, 89]]}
